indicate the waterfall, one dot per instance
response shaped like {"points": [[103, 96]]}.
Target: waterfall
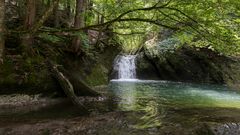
{"points": [[125, 66]]}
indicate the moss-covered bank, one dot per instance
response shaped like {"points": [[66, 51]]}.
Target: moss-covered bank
{"points": [[31, 75]]}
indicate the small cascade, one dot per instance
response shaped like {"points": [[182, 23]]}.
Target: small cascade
{"points": [[125, 65]]}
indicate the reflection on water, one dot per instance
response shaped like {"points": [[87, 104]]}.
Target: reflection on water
{"points": [[152, 116], [165, 93], [157, 102], [129, 93], [143, 108]]}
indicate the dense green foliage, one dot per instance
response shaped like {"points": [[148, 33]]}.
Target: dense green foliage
{"points": [[211, 23], [203, 23]]}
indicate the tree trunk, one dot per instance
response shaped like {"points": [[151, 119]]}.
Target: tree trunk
{"points": [[32, 27], [69, 14], [68, 7], [2, 30], [66, 85], [56, 17], [79, 23], [30, 14], [27, 39], [79, 16]]}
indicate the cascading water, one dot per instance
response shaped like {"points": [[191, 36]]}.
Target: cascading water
{"points": [[125, 66]]}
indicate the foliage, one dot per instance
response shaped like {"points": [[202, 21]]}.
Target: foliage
{"points": [[169, 44], [201, 23], [52, 38]]}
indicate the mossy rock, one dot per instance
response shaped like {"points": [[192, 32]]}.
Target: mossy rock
{"points": [[93, 70], [98, 76]]}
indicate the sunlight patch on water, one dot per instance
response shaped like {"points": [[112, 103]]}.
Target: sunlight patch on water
{"points": [[213, 98]]}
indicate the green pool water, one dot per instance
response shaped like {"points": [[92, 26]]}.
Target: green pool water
{"points": [[159, 102], [136, 94]]}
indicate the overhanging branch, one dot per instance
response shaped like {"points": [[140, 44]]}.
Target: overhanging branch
{"points": [[156, 22], [108, 23]]}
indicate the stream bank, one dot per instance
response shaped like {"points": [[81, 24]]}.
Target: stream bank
{"points": [[109, 123]]}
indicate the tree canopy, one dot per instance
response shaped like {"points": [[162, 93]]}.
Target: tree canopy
{"points": [[203, 23], [212, 23]]}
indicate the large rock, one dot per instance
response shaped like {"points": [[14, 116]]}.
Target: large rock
{"points": [[145, 69], [95, 70], [185, 63]]}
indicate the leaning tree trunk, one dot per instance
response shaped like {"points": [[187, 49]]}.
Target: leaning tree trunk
{"points": [[2, 29], [70, 84], [79, 23], [66, 86]]}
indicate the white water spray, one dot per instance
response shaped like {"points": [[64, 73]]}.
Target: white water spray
{"points": [[125, 65]]}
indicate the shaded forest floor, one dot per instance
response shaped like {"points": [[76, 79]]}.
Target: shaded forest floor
{"points": [[111, 123]]}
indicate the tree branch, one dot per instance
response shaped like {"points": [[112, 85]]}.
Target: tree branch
{"points": [[154, 7], [37, 26], [156, 22], [127, 34]]}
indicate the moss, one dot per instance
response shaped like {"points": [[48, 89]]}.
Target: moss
{"points": [[101, 67], [28, 76], [7, 75], [98, 76], [6, 68]]}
